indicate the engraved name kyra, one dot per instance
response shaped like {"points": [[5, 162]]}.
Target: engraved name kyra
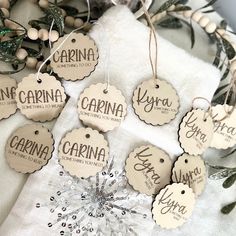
{"points": [[145, 165], [193, 129], [103, 107], [41, 96], [74, 55], [29, 147], [170, 205], [151, 102], [84, 151], [7, 93], [187, 178]]}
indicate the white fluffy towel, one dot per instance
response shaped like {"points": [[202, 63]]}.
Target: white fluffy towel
{"points": [[50, 202]]}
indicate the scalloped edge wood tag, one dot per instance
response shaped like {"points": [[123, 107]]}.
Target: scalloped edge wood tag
{"points": [[83, 152], [100, 108], [155, 104], [29, 148], [40, 101], [173, 205], [190, 170], [148, 169], [7, 97], [195, 132], [76, 59], [224, 131]]}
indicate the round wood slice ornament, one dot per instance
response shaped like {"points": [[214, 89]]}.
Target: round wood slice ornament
{"points": [[100, 108], [155, 103], [29, 148], [173, 205], [40, 99], [83, 152], [7, 97], [76, 58], [148, 169], [190, 170], [224, 128], [196, 131]]}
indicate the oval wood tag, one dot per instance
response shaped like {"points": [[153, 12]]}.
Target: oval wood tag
{"points": [[224, 131], [83, 152], [29, 148], [155, 104], [190, 170], [100, 108], [7, 97], [196, 131], [76, 58], [148, 169], [40, 100], [173, 205]]}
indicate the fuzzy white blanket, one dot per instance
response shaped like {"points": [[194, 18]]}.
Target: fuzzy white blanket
{"points": [[129, 65]]}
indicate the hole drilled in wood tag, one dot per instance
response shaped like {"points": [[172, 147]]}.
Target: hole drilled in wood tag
{"points": [[224, 130], [7, 97], [76, 58], [155, 103], [173, 205], [40, 100], [190, 170], [102, 108], [196, 131], [83, 152], [29, 148], [148, 169]]}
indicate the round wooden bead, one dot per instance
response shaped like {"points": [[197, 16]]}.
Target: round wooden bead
{"points": [[187, 14], [63, 12], [196, 16], [211, 27], [43, 34], [21, 54], [157, 17], [78, 23], [204, 21], [5, 4], [69, 21], [220, 31], [53, 36], [31, 62], [171, 8], [5, 12], [43, 3], [33, 33]]}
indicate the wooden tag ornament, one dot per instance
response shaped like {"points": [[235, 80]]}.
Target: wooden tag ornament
{"points": [[29, 148], [224, 130], [173, 205], [40, 100], [148, 169], [190, 170], [100, 108], [155, 103], [76, 58], [196, 131], [7, 97], [83, 152]]}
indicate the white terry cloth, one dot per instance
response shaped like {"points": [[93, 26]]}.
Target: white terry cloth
{"points": [[128, 40]]}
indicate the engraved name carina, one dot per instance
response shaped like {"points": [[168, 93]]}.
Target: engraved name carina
{"points": [[221, 126], [84, 151], [194, 130], [145, 165], [41, 96], [74, 55], [30, 147], [151, 102], [101, 106], [7, 93], [187, 178], [170, 204]]}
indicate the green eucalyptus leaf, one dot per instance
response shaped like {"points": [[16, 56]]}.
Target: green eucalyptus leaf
{"points": [[183, 8], [192, 34], [219, 49], [228, 208], [70, 11], [229, 181], [229, 50], [223, 24], [210, 3], [5, 30], [171, 23], [166, 5], [219, 172]]}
